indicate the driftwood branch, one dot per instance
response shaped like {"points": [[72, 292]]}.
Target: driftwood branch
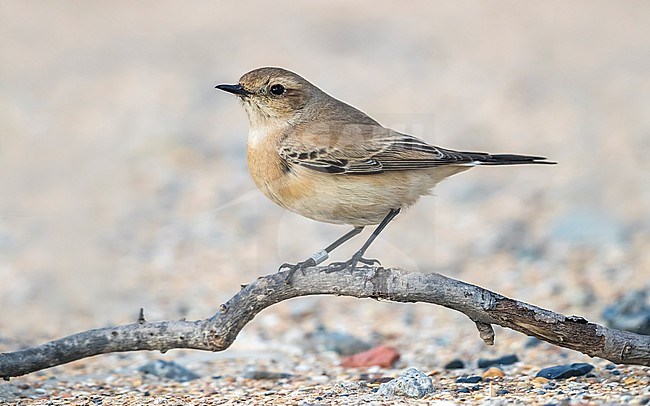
{"points": [[217, 333]]}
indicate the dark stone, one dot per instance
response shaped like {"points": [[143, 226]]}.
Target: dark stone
{"points": [[469, 379], [533, 342], [261, 374], [610, 366], [565, 371], [455, 364], [502, 392], [630, 312], [169, 370], [382, 379], [462, 390], [616, 372], [339, 342], [505, 360]]}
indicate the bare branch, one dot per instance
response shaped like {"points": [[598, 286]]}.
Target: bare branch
{"points": [[218, 332]]}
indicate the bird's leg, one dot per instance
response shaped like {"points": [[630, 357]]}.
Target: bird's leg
{"points": [[320, 256], [358, 256]]}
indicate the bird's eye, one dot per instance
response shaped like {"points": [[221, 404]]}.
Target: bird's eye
{"points": [[277, 89]]}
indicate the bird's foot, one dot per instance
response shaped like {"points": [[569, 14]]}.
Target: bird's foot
{"points": [[351, 264], [318, 258], [293, 268]]}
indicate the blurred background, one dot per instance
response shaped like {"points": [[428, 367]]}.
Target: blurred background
{"points": [[123, 181]]}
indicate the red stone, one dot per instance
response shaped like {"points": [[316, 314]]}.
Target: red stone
{"points": [[383, 356]]}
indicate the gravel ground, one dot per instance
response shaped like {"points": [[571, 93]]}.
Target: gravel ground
{"points": [[123, 184]]}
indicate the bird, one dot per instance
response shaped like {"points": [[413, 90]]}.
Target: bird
{"points": [[323, 159]]}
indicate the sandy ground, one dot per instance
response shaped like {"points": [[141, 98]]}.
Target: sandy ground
{"points": [[123, 182]]}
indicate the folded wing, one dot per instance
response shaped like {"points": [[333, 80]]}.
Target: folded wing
{"points": [[363, 149]]}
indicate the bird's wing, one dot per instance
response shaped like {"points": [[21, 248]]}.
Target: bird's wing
{"points": [[363, 149]]}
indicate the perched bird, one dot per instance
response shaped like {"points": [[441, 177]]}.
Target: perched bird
{"points": [[324, 159]]}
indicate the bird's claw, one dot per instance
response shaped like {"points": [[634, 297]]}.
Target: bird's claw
{"points": [[351, 264], [369, 261], [300, 266]]}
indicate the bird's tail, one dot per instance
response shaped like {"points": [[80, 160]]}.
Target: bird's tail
{"points": [[480, 158]]}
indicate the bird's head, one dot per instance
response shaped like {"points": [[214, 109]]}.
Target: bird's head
{"points": [[273, 94]]}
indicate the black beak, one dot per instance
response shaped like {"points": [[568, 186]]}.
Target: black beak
{"points": [[235, 89]]}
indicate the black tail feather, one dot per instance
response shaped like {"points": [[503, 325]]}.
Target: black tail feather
{"points": [[506, 159]]}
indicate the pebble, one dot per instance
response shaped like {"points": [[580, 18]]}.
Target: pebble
{"points": [[340, 343], [502, 392], [469, 379], [169, 370], [505, 360], [251, 373], [455, 364], [630, 312], [412, 383], [383, 356], [533, 342], [320, 379], [463, 390], [565, 371], [540, 380], [493, 372]]}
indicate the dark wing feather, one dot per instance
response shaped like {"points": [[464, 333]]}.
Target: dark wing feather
{"points": [[373, 149]]}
